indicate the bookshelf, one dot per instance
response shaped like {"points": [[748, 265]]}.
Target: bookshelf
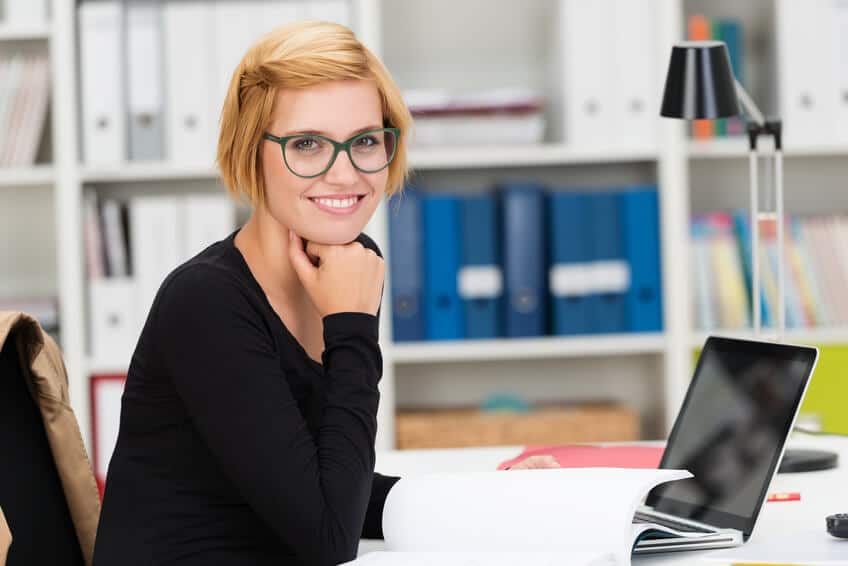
{"points": [[135, 172], [10, 32], [37, 175], [834, 336], [523, 156], [529, 348], [419, 159], [731, 148], [653, 369]]}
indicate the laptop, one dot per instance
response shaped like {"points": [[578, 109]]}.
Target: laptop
{"points": [[730, 434]]}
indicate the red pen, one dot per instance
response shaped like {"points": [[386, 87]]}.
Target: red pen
{"points": [[794, 496]]}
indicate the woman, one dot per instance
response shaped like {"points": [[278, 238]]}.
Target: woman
{"points": [[249, 414]]}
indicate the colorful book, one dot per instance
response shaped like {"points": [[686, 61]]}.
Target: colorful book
{"points": [[730, 32], [699, 29], [809, 267], [727, 272], [705, 310]]}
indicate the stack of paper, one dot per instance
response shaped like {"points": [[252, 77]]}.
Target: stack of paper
{"points": [[544, 516]]}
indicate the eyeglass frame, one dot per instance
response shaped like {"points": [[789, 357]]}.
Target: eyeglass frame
{"points": [[337, 147]]}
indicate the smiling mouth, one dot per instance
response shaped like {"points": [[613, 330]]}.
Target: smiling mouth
{"points": [[339, 204]]}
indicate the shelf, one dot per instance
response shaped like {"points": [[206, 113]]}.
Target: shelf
{"points": [[737, 148], [523, 155], [150, 171], [19, 32], [814, 336], [105, 367], [451, 158], [38, 175], [527, 348]]}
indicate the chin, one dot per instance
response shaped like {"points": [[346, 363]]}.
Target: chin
{"points": [[333, 236]]}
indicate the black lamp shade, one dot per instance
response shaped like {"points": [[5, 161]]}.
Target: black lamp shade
{"points": [[700, 82]]}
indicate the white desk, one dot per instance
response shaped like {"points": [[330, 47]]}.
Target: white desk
{"points": [[822, 493]]}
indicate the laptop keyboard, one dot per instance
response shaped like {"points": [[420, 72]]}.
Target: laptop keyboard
{"points": [[678, 526]]}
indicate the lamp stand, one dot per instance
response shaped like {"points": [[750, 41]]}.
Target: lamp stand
{"points": [[755, 130], [794, 459]]}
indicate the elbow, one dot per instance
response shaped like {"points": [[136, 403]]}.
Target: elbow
{"points": [[328, 554], [333, 546]]}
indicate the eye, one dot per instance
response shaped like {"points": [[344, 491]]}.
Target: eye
{"points": [[307, 144], [367, 141]]}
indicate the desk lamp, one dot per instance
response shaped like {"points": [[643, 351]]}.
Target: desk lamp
{"points": [[700, 85]]}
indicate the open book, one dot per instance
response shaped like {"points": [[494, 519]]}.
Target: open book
{"points": [[576, 516]]}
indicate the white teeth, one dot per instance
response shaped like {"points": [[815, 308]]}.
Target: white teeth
{"points": [[337, 203]]}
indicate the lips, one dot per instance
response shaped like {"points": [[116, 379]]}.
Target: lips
{"points": [[327, 207]]}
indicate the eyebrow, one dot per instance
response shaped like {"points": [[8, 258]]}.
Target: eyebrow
{"points": [[325, 134]]}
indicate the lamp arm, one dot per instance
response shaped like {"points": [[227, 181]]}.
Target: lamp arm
{"points": [[748, 104]]}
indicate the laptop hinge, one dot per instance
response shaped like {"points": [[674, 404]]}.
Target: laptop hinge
{"points": [[650, 512]]}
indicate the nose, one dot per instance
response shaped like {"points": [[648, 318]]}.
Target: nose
{"points": [[342, 171]]}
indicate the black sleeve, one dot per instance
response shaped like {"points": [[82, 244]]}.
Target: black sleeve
{"points": [[380, 486], [222, 359]]}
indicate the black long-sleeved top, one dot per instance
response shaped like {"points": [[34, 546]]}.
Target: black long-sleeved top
{"points": [[235, 447]]}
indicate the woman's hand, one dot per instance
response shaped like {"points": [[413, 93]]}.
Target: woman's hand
{"points": [[533, 462], [348, 278], [5, 538]]}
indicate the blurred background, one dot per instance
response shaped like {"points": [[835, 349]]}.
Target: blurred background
{"points": [[561, 252]]}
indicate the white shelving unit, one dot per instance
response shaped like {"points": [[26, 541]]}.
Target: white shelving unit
{"points": [[737, 148], [656, 366], [38, 175], [524, 156], [528, 348], [818, 336], [19, 32], [134, 172]]}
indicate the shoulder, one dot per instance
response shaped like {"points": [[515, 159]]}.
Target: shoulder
{"points": [[199, 283], [213, 271], [203, 304]]}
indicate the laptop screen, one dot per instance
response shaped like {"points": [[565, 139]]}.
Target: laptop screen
{"points": [[730, 432]]}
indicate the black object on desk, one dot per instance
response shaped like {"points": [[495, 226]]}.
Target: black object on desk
{"points": [[837, 525], [803, 460]]}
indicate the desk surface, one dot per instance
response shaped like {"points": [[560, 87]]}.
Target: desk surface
{"points": [[822, 493]]}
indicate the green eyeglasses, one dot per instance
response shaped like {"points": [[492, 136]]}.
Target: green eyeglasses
{"points": [[311, 155]]}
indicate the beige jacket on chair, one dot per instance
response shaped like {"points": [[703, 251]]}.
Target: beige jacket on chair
{"points": [[42, 365]]}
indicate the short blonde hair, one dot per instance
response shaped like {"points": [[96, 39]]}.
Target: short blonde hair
{"points": [[298, 55]]}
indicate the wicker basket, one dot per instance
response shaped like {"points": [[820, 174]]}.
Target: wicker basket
{"points": [[457, 428]]}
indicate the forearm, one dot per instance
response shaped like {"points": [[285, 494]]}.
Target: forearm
{"points": [[380, 487]]}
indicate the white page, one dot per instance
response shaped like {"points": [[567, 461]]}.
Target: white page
{"points": [[811, 548], [550, 510], [381, 558]]}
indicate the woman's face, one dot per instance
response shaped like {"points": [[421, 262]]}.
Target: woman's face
{"points": [[338, 110]]}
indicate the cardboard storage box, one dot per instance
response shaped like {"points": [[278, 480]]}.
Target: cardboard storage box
{"points": [[456, 428]]}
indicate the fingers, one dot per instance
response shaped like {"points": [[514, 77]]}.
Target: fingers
{"points": [[536, 462], [313, 257], [316, 250]]}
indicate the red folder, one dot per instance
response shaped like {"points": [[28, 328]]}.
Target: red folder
{"points": [[589, 456]]}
